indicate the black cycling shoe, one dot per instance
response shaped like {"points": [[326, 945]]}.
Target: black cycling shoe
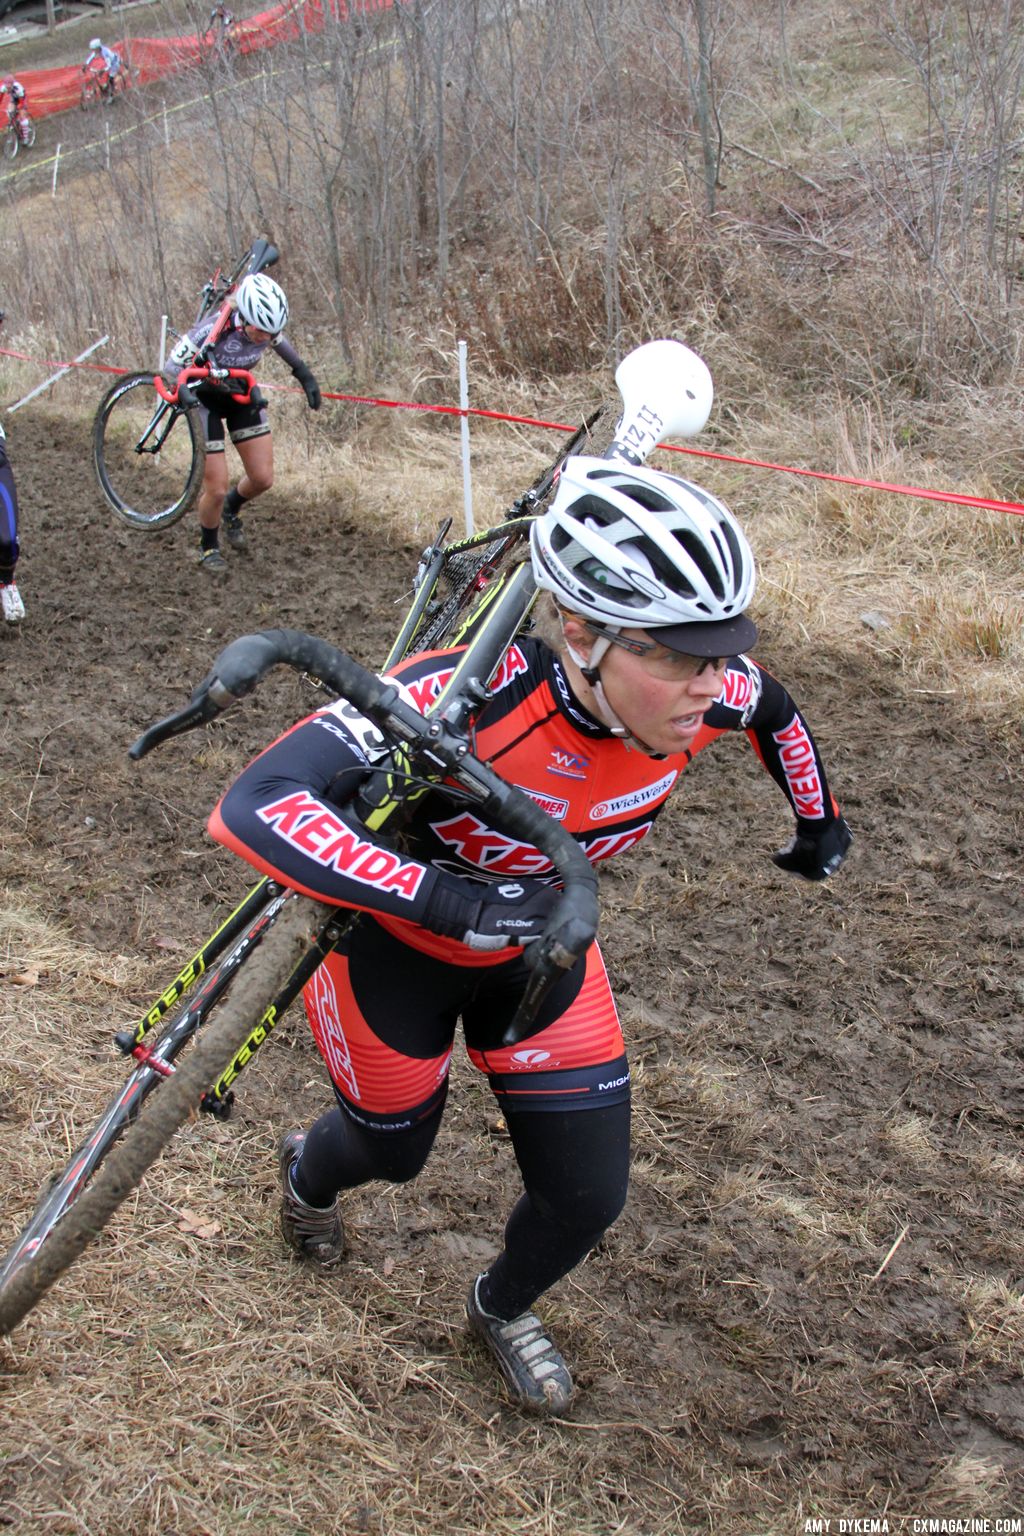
{"points": [[535, 1373]]}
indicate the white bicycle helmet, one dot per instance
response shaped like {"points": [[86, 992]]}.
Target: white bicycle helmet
{"points": [[94, 44], [261, 302], [635, 548]]}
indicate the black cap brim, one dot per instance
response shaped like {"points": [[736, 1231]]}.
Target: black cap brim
{"points": [[720, 637]]}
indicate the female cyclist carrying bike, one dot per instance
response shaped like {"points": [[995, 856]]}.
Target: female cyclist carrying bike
{"points": [[258, 321], [639, 662]]}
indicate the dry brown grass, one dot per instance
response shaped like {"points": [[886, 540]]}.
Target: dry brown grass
{"points": [[835, 1269]]}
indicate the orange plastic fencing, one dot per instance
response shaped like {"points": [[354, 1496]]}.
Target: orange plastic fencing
{"points": [[155, 58]]}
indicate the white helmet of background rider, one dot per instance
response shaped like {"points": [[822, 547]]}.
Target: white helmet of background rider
{"points": [[261, 302], [637, 549], [94, 45]]}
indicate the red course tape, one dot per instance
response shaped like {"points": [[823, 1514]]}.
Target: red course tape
{"points": [[956, 498]]}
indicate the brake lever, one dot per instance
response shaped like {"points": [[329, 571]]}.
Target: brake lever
{"points": [[549, 958], [209, 699]]}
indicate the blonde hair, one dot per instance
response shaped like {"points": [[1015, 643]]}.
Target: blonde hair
{"points": [[548, 617]]}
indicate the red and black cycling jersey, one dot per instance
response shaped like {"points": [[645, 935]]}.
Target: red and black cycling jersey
{"points": [[286, 813]]}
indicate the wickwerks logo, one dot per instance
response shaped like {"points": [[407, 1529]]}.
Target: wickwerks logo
{"points": [[635, 800]]}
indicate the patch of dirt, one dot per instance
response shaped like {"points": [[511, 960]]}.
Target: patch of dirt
{"points": [[812, 1306]]}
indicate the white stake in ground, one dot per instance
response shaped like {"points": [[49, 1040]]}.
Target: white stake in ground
{"points": [[55, 376], [467, 479]]}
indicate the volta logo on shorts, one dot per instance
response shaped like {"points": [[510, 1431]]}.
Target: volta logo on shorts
{"points": [[531, 1058]]}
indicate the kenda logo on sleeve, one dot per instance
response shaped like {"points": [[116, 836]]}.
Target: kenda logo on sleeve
{"points": [[797, 757], [306, 824]]}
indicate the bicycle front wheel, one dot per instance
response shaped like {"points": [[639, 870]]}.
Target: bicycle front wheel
{"points": [[10, 144], [148, 456], [82, 1199]]}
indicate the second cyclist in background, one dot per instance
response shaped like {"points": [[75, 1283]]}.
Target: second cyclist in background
{"points": [[220, 29], [12, 94], [258, 322], [103, 61]]}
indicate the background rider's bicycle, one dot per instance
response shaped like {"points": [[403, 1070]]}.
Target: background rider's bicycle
{"points": [[474, 594], [19, 132], [99, 85], [148, 448]]}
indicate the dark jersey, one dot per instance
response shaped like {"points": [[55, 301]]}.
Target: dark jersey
{"points": [[286, 812], [232, 349], [8, 515]]}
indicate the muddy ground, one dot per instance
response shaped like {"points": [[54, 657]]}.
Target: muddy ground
{"points": [[812, 1306]]}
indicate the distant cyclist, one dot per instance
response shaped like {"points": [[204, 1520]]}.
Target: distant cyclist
{"points": [[13, 91], [221, 25], [258, 322], [11, 605], [110, 62]]}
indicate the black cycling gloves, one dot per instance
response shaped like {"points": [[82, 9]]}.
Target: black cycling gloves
{"points": [[307, 380], [815, 857], [489, 916]]}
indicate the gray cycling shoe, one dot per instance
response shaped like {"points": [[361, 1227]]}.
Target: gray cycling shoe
{"points": [[233, 530], [314, 1231], [535, 1373], [212, 562]]}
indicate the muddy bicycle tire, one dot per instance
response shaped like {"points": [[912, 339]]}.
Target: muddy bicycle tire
{"points": [[165, 1112], [145, 488]]}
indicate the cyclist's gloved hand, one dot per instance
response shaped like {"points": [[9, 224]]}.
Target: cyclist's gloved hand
{"points": [[310, 385], [257, 399], [815, 857], [489, 916]]}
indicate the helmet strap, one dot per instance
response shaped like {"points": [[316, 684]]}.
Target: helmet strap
{"points": [[589, 667]]}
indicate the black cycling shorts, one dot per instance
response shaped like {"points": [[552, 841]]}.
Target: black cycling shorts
{"points": [[217, 410]]}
